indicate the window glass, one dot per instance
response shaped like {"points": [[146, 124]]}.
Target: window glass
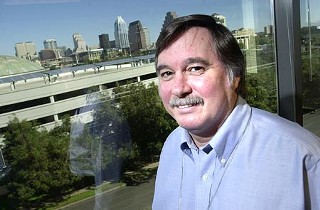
{"points": [[310, 51], [80, 112]]}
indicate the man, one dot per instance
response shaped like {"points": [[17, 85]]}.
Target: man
{"points": [[225, 154]]}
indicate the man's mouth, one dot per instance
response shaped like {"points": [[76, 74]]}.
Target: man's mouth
{"points": [[187, 102], [185, 106]]}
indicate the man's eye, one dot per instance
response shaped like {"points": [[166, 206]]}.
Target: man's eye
{"points": [[166, 75], [196, 70]]}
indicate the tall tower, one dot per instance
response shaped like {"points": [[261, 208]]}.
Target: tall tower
{"points": [[79, 43], [26, 50], [121, 33], [135, 35], [104, 42], [50, 44], [147, 37], [169, 17]]}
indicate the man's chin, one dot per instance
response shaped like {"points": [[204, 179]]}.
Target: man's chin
{"points": [[188, 126]]}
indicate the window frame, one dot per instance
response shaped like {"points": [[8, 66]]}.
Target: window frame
{"points": [[288, 59]]}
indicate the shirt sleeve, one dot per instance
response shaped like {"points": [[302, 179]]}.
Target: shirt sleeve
{"points": [[314, 185]]}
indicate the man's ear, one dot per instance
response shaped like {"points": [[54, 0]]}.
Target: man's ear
{"points": [[236, 84]]}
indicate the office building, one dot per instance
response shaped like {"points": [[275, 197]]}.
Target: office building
{"points": [[137, 36], [268, 30], [121, 33], [147, 37], [79, 43], [26, 50], [48, 54], [50, 44], [104, 42], [169, 17]]}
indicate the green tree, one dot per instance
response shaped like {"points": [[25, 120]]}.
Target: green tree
{"points": [[149, 122], [261, 91], [39, 163], [100, 147]]}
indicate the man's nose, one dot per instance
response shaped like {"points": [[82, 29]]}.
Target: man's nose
{"points": [[181, 86]]}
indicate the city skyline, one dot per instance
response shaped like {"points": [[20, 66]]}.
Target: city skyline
{"points": [[39, 20]]}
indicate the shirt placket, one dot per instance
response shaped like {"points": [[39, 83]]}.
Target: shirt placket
{"points": [[205, 172]]}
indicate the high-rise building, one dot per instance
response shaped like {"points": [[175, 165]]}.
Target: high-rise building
{"points": [[169, 17], [121, 33], [48, 54], [104, 42], [139, 37], [50, 44], [220, 19], [147, 36], [26, 50], [112, 44], [135, 35], [79, 43], [62, 51], [268, 30]]}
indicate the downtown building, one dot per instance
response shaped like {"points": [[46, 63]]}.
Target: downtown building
{"points": [[104, 41], [79, 43], [26, 50], [50, 51], [82, 53], [50, 44], [139, 37], [53, 56], [104, 44], [168, 18], [121, 34]]}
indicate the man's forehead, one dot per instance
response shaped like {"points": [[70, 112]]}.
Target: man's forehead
{"points": [[196, 38]]}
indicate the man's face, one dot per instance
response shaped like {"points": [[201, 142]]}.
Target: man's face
{"points": [[193, 84]]}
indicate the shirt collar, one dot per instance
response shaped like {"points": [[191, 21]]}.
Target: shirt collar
{"points": [[228, 136]]}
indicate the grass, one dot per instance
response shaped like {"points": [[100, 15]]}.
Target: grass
{"points": [[82, 195]]}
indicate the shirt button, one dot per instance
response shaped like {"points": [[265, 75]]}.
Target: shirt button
{"points": [[205, 177], [223, 161]]}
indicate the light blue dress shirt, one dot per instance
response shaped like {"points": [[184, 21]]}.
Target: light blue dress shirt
{"points": [[256, 161]]}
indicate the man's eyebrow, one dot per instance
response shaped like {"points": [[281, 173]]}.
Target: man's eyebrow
{"points": [[196, 60], [161, 66], [187, 62]]}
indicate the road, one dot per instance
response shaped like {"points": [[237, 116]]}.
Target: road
{"points": [[125, 198]]}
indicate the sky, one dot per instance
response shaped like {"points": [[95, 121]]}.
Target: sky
{"points": [[38, 20]]}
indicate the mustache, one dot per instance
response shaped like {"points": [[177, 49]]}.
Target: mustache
{"points": [[187, 101]]}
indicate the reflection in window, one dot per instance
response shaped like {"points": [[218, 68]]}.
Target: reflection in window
{"points": [[310, 52]]}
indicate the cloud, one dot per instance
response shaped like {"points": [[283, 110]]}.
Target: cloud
{"points": [[21, 2]]}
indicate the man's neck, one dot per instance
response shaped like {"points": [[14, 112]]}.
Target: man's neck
{"points": [[200, 141]]}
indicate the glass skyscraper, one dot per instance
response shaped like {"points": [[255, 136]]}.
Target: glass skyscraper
{"points": [[121, 33]]}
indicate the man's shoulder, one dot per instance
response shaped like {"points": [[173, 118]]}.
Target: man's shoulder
{"points": [[286, 129], [277, 124]]}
